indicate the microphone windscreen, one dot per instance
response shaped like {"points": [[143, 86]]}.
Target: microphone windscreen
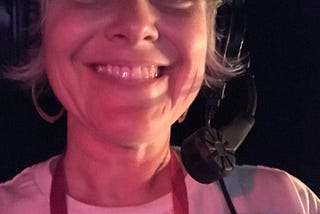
{"points": [[197, 158]]}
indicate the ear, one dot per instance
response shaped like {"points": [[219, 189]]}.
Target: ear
{"points": [[183, 116]]}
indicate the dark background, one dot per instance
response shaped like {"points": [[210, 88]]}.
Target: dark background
{"points": [[283, 37]]}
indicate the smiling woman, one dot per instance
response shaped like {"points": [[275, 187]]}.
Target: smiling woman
{"points": [[125, 71]]}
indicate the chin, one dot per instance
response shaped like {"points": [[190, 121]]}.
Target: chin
{"points": [[131, 132]]}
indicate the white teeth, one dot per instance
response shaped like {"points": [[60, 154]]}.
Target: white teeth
{"points": [[130, 73]]}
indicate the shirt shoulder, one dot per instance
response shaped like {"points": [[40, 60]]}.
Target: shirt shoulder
{"points": [[28, 192], [273, 190]]}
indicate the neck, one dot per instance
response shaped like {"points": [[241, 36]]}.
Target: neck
{"points": [[105, 173]]}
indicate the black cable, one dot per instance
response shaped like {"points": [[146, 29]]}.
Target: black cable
{"points": [[227, 196]]}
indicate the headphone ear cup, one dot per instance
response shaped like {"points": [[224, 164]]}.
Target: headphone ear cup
{"points": [[209, 154], [202, 160]]}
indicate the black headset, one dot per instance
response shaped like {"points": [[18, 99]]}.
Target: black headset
{"points": [[13, 22], [209, 154]]}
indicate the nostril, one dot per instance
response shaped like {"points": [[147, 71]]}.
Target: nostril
{"points": [[151, 32], [119, 36]]}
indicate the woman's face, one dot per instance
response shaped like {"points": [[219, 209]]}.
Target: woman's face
{"points": [[126, 67]]}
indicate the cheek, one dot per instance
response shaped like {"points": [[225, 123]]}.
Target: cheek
{"points": [[189, 77], [63, 36], [192, 48], [61, 77], [67, 29]]}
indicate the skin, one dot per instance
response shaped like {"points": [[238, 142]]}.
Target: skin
{"points": [[118, 129]]}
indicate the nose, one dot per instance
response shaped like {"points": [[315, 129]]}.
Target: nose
{"points": [[134, 23]]}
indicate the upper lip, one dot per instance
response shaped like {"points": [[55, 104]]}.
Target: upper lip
{"points": [[131, 63], [129, 60]]}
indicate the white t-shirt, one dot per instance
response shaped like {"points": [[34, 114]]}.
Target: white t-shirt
{"points": [[254, 190]]}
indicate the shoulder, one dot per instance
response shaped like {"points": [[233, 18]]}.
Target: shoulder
{"points": [[271, 177], [259, 189], [26, 190], [255, 189], [273, 188]]}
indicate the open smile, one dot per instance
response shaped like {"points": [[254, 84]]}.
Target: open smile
{"points": [[137, 73]]}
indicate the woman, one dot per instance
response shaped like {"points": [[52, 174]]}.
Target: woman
{"points": [[125, 71]]}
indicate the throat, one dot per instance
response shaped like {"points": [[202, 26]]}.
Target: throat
{"points": [[119, 185], [59, 185], [124, 192]]}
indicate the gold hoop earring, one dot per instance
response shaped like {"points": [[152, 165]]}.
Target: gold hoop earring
{"points": [[49, 118]]}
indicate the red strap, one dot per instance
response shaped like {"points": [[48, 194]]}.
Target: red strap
{"points": [[179, 189], [58, 203]]}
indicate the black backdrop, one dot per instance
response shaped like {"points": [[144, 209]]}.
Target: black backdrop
{"points": [[283, 38]]}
